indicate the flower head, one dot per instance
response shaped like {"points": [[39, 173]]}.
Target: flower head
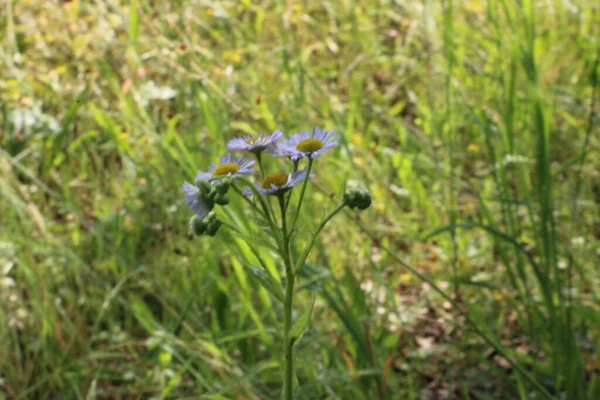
{"points": [[307, 145], [193, 198], [279, 182], [357, 195], [228, 166], [208, 226], [255, 144]]}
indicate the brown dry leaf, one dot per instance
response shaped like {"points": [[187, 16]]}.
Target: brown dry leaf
{"points": [[502, 362]]}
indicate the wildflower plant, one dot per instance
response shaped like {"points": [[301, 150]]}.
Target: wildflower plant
{"points": [[276, 199]]}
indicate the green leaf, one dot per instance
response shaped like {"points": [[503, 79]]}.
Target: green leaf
{"points": [[301, 323], [66, 123], [143, 314], [270, 284], [594, 388], [133, 23]]}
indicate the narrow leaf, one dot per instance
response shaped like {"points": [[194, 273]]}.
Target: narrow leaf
{"points": [[270, 284], [301, 323]]}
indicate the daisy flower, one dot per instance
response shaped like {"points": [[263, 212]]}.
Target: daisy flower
{"points": [[307, 145], [279, 182], [255, 144], [228, 166], [193, 200]]}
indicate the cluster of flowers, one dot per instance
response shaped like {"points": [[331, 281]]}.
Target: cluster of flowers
{"points": [[211, 188]]}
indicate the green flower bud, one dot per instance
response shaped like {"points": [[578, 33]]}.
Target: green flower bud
{"points": [[207, 199], [357, 195], [211, 216], [222, 186], [213, 193], [213, 227], [222, 199], [198, 226], [203, 185]]}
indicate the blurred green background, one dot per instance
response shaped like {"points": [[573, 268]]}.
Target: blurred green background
{"points": [[474, 124]]}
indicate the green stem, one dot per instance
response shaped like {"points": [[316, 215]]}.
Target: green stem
{"points": [[289, 194], [260, 165], [267, 211], [252, 204], [308, 169], [288, 379], [263, 173], [261, 261], [302, 259], [230, 226]]}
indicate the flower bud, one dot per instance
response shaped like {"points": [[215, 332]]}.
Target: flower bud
{"points": [[222, 199], [207, 200], [198, 226], [357, 195], [222, 186], [213, 227], [203, 185]]}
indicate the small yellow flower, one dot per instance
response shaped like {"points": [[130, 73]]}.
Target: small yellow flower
{"points": [[357, 140], [209, 12], [61, 69], [474, 6], [498, 296], [473, 148], [233, 56]]}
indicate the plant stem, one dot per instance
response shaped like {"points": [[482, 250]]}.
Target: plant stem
{"points": [[288, 343], [289, 195], [230, 226], [267, 210], [252, 204], [302, 259], [308, 169], [260, 165], [287, 306]]}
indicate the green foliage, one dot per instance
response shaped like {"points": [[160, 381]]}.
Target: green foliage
{"points": [[301, 323], [472, 123]]}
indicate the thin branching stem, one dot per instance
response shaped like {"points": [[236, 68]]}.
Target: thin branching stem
{"points": [[304, 184], [287, 306], [306, 252]]}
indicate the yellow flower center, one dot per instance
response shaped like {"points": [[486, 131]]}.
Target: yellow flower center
{"points": [[278, 179], [250, 141], [227, 168], [309, 145]]}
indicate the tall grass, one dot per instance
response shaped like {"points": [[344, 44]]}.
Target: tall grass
{"points": [[473, 122]]}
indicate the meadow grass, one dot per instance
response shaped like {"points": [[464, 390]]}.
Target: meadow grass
{"points": [[474, 124]]}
